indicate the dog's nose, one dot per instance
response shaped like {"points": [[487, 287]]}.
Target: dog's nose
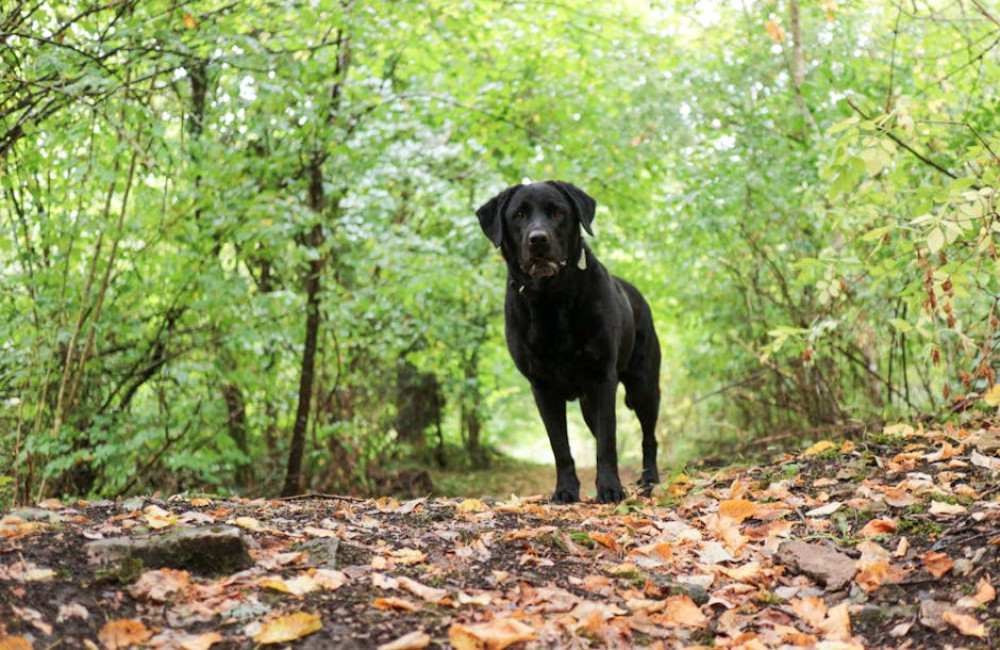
{"points": [[538, 238]]}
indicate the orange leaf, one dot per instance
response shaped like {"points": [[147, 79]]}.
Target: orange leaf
{"points": [[965, 624], [123, 633], [985, 593], [15, 643], [606, 541], [391, 602], [812, 610], [837, 626], [877, 527], [288, 628], [189, 21], [937, 564], [775, 31], [872, 576], [738, 509], [495, 635], [681, 610]]}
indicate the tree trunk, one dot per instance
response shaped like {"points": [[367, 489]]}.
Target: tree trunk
{"points": [[307, 376]]}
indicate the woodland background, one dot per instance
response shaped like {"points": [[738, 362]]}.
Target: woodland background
{"points": [[238, 250]]}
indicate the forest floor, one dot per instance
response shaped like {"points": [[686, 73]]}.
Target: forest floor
{"points": [[889, 541]]}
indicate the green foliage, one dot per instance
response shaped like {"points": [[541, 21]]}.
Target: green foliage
{"points": [[817, 242]]}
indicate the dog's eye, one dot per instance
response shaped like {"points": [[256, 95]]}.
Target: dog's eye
{"points": [[558, 214], [519, 215]]}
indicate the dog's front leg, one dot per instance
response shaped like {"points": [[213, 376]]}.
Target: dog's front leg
{"points": [[599, 413], [552, 408]]}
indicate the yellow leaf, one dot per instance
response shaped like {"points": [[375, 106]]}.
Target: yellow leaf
{"points": [[495, 635], [189, 21], [738, 509], [123, 634], [472, 505], [288, 628], [156, 517], [992, 396], [819, 448]]}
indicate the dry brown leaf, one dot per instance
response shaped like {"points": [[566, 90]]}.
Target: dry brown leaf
{"points": [[606, 541], [202, 641], [898, 497], [812, 610], [495, 635], [159, 584], [965, 624], [157, 518], [937, 564], [946, 509], [429, 594], [15, 643], [123, 633], [288, 628], [411, 641], [837, 626], [681, 610]]}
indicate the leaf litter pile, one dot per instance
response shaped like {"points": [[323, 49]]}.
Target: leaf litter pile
{"points": [[891, 541]]}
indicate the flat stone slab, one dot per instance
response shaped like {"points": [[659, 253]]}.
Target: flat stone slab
{"points": [[209, 550], [827, 566]]}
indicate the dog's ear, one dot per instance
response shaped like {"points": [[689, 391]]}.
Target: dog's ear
{"points": [[583, 202], [490, 215]]}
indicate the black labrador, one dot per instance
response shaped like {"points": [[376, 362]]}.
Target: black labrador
{"points": [[573, 329]]}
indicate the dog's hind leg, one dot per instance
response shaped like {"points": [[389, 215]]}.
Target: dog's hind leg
{"points": [[643, 397]]}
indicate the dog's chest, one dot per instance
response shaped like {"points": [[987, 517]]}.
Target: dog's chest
{"points": [[559, 344]]}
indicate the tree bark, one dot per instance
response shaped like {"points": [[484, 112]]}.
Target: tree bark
{"points": [[307, 376]]}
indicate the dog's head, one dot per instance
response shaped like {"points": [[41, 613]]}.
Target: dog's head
{"points": [[537, 226]]}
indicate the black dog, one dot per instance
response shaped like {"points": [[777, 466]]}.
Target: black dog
{"points": [[573, 329]]}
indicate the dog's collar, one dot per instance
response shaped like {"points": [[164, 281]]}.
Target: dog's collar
{"points": [[581, 264]]}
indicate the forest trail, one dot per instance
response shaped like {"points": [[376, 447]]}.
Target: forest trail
{"points": [[888, 541]]}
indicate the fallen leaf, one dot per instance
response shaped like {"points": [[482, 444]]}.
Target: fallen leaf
{"points": [[965, 624], [898, 497], [825, 510], [159, 584], [877, 527], [157, 518], [391, 602], [249, 523], [937, 564], [837, 626], [51, 504], [681, 610], [872, 576], [411, 641], [288, 628], [819, 448], [15, 643], [738, 509], [985, 592], [812, 610], [123, 633], [472, 505], [946, 509], [202, 641], [495, 635], [429, 594], [992, 396]]}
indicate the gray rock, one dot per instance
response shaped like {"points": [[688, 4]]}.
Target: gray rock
{"points": [[825, 565], [213, 550]]}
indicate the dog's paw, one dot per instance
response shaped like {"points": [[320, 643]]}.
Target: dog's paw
{"points": [[647, 482], [610, 493], [566, 495]]}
